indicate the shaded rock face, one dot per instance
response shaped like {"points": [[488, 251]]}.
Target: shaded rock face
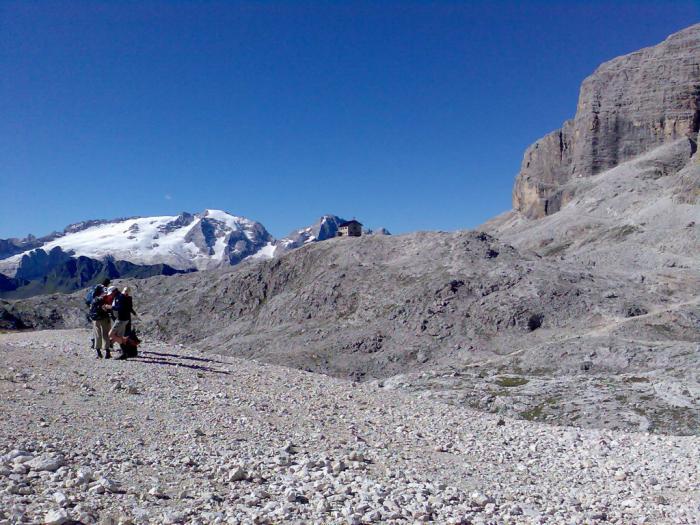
{"points": [[38, 263], [203, 236], [59, 272], [8, 321], [628, 106], [241, 244], [10, 247], [8, 284], [184, 219]]}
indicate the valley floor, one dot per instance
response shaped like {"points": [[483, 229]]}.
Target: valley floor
{"points": [[177, 436]]}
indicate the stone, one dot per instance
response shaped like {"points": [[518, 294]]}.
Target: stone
{"points": [[109, 485], [46, 463], [14, 453], [84, 475], [157, 492], [56, 517], [61, 499], [480, 499], [22, 458], [237, 474], [659, 499], [356, 456]]}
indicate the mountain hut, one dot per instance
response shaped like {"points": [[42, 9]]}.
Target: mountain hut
{"points": [[351, 228]]}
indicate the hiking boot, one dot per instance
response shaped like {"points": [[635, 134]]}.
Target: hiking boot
{"points": [[121, 357], [99, 354], [109, 355]]}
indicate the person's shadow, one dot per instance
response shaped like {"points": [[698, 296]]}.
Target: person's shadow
{"points": [[163, 359], [188, 357]]}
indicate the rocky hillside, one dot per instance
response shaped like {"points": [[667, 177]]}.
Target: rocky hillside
{"points": [[627, 107], [375, 306], [463, 316], [641, 218]]}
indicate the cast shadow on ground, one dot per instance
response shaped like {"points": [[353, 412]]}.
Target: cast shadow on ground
{"points": [[145, 358], [190, 358]]}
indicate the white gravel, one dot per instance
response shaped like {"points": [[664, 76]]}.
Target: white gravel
{"points": [[183, 437]]}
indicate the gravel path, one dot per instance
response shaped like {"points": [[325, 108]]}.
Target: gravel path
{"points": [[183, 437]]}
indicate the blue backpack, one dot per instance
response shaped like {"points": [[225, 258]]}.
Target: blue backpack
{"points": [[90, 295]]}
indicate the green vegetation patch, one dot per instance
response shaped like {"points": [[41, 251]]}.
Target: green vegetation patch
{"points": [[533, 414], [556, 249], [620, 232], [509, 382]]}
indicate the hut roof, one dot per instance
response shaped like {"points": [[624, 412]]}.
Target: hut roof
{"points": [[348, 223]]}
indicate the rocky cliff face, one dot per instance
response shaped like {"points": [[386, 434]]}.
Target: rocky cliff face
{"points": [[628, 106]]}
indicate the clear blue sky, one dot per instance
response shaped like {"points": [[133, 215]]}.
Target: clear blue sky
{"points": [[408, 115]]}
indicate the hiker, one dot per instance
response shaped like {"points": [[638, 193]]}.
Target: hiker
{"points": [[122, 307], [99, 315], [112, 292], [89, 296]]}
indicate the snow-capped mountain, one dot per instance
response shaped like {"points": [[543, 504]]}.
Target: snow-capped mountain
{"points": [[186, 241], [325, 228], [86, 252]]}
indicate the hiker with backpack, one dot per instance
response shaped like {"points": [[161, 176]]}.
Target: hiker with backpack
{"points": [[123, 307], [89, 296], [101, 322]]}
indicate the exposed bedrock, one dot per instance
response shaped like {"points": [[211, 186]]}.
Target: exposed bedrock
{"points": [[628, 106]]}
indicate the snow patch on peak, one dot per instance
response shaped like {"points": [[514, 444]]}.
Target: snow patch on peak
{"points": [[266, 252]]}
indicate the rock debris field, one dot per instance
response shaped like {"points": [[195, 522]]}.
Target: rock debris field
{"points": [[177, 436]]}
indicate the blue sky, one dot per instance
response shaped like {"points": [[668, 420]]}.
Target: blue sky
{"points": [[408, 115]]}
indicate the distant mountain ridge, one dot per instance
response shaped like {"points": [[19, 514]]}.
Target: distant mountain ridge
{"points": [[87, 251], [184, 242]]}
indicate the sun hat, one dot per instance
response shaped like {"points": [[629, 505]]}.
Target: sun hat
{"points": [[111, 289], [126, 290]]}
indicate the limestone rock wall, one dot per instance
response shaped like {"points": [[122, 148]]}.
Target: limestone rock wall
{"points": [[626, 107]]}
